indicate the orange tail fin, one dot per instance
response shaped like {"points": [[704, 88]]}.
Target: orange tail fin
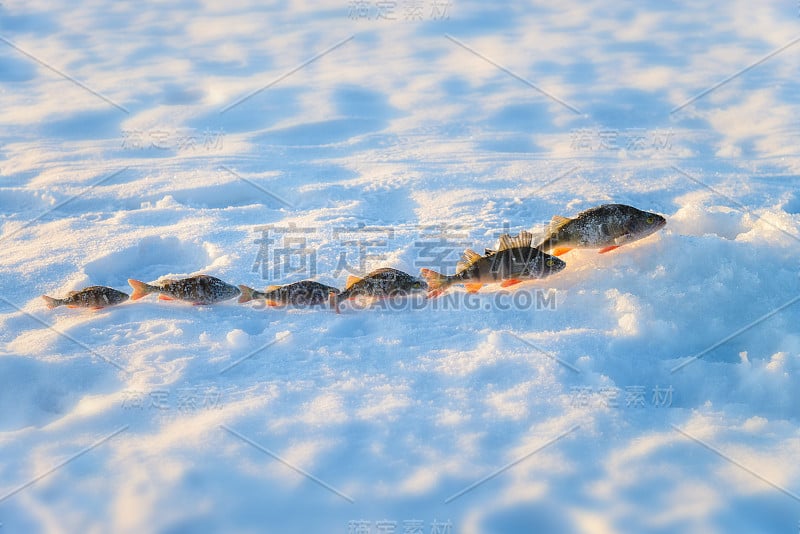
{"points": [[437, 282], [140, 289], [51, 302], [247, 294]]}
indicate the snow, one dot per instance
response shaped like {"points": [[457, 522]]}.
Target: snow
{"points": [[650, 389]]}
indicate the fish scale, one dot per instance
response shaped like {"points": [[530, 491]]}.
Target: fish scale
{"points": [[201, 289], [606, 227], [514, 261], [303, 293], [380, 283], [90, 297]]}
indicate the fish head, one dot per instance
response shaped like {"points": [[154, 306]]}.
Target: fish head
{"points": [[542, 265], [227, 291], [643, 224], [404, 283], [418, 285]]}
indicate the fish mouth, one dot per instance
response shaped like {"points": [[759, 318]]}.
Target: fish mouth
{"points": [[657, 225], [557, 267]]}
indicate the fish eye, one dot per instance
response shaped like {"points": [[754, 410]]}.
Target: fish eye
{"points": [[650, 220], [549, 263]]}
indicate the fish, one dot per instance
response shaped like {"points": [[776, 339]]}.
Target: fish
{"points": [[514, 261], [304, 293], [380, 283], [201, 289], [606, 227], [94, 297]]}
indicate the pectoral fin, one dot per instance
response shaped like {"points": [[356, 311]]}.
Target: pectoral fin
{"points": [[560, 251], [624, 238], [511, 282], [608, 249], [164, 297]]}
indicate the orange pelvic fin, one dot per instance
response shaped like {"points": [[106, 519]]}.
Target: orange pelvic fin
{"points": [[473, 288], [511, 282], [559, 251], [607, 249]]}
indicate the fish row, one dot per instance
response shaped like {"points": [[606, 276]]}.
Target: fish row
{"points": [[515, 260]]}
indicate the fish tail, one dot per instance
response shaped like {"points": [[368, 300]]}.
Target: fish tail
{"points": [[247, 294], [51, 302], [437, 282], [140, 289]]}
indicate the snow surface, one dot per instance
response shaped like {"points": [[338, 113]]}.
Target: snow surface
{"points": [[654, 391]]}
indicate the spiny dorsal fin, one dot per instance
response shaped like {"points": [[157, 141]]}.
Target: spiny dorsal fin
{"points": [[271, 288], [350, 281], [524, 239], [558, 221], [468, 258], [489, 252]]}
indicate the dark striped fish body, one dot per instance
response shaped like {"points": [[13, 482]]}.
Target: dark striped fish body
{"points": [[94, 297], [201, 289], [514, 261], [606, 227], [380, 283], [304, 293]]}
